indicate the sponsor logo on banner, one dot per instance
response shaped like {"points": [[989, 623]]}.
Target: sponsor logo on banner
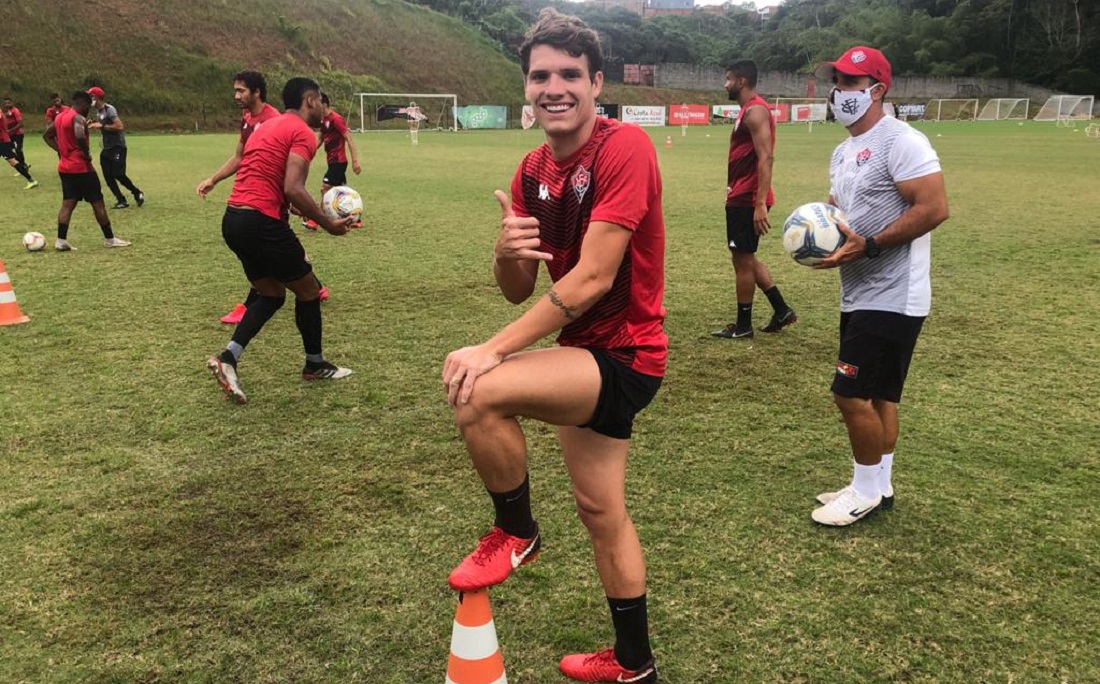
{"points": [[690, 115], [643, 116], [482, 116], [725, 111], [915, 109]]}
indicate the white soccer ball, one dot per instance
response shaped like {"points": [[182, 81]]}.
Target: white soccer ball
{"points": [[341, 202], [811, 232], [34, 242]]}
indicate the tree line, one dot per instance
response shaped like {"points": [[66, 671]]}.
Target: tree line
{"points": [[1052, 43]]}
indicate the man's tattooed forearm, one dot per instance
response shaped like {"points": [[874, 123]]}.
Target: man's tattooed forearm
{"points": [[567, 311]]}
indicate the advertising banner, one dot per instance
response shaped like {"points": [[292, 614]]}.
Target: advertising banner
{"points": [[687, 114], [804, 113], [482, 116], [607, 111], [912, 110], [527, 117], [725, 111], [643, 115]]}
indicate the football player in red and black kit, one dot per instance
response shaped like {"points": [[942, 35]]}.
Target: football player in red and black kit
{"points": [[250, 94], [588, 204], [272, 176], [55, 108], [11, 141], [68, 136], [334, 135]]}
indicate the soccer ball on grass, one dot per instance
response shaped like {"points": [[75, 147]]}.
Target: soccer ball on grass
{"points": [[34, 242]]}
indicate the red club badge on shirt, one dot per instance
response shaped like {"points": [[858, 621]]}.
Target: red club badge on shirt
{"points": [[863, 157], [580, 182]]}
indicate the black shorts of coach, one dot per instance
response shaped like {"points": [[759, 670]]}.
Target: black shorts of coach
{"points": [[624, 392], [81, 187], [740, 232], [266, 247], [875, 350], [337, 174], [113, 162]]}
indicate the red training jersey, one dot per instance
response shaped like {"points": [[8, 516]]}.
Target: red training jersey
{"points": [[250, 122], [15, 121], [262, 172], [71, 152], [333, 130], [741, 176], [52, 112], [4, 137], [613, 178]]}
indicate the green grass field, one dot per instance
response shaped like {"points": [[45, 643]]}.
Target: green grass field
{"points": [[150, 531]]}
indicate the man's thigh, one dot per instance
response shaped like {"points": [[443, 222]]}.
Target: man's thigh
{"points": [[559, 386]]}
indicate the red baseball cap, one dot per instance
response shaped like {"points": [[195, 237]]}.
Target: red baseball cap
{"points": [[96, 92], [859, 61]]}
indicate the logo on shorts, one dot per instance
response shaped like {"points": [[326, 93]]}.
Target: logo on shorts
{"points": [[863, 157], [580, 181], [846, 369]]}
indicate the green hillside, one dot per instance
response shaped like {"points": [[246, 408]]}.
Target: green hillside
{"points": [[170, 63]]}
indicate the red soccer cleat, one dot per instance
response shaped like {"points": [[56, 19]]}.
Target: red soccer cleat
{"points": [[310, 224], [234, 317], [496, 556], [324, 294], [604, 667]]}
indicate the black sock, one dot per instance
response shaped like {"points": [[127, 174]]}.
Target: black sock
{"points": [[22, 169], [252, 296], [776, 299], [308, 317], [631, 631], [259, 313], [744, 316], [226, 356], [107, 232], [513, 510], [62, 230]]}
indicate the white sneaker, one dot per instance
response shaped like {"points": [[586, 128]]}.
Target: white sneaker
{"points": [[116, 242], [887, 497], [326, 371], [226, 375], [847, 508], [63, 246]]}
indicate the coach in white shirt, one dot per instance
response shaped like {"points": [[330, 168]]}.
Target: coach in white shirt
{"points": [[887, 179]]}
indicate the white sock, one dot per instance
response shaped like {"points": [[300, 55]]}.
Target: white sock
{"points": [[865, 481], [887, 467]]}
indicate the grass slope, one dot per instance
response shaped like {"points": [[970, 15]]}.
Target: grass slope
{"points": [[152, 532]]}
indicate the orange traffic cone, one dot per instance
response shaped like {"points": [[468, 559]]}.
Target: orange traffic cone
{"points": [[9, 308], [668, 141], [475, 654]]}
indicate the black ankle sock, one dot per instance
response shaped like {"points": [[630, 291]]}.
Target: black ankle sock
{"points": [[513, 510], [226, 356], [254, 319], [62, 231], [744, 316], [22, 169], [631, 631], [307, 315], [107, 232], [776, 299]]}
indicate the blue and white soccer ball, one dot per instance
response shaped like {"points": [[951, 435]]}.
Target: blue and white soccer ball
{"points": [[811, 232], [341, 202]]}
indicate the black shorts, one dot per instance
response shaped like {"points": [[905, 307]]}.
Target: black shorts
{"points": [[875, 350], [17, 140], [81, 186], [624, 392], [7, 150], [113, 162], [337, 174], [740, 234], [267, 247]]}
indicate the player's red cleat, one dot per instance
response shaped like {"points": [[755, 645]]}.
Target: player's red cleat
{"points": [[496, 556], [324, 294], [234, 317], [310, 224], [357, 224], [605, 667]]}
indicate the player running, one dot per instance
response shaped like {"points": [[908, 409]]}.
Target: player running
{"points": [[588, 204], [270, 177], [68, 136], [334, 136], [8, 148]]}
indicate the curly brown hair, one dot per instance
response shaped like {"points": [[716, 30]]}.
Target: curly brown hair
{"points": [[563, 32]]}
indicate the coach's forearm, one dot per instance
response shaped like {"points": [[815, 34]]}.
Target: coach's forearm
{"points": [[918, 220]]}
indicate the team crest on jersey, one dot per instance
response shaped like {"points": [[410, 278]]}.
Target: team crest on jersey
{"points": [[863, 157], [580, 181]]}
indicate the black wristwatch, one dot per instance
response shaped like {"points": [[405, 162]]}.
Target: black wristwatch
{"points": [[870, 249]]}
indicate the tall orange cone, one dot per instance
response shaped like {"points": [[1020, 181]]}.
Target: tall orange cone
{"points": [[475, 654], [9, 308]]}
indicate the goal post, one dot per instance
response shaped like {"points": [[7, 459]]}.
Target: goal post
{"points": [[1005, 109], [390, 111], [1061, 108], [951, 110]]}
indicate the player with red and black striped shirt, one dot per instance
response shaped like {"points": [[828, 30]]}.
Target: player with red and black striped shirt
{"points": [[334, 136], [270, 178], [588, 204], [55, 108], [15, 127], [67, 135], [11, 141]]}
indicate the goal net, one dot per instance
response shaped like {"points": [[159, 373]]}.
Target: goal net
{"points": [[1066, 107], [1004, 108], [799, 109], [396, 111], [951, 110]]}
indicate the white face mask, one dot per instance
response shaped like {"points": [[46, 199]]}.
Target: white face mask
{"points": [[849, 106]]}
